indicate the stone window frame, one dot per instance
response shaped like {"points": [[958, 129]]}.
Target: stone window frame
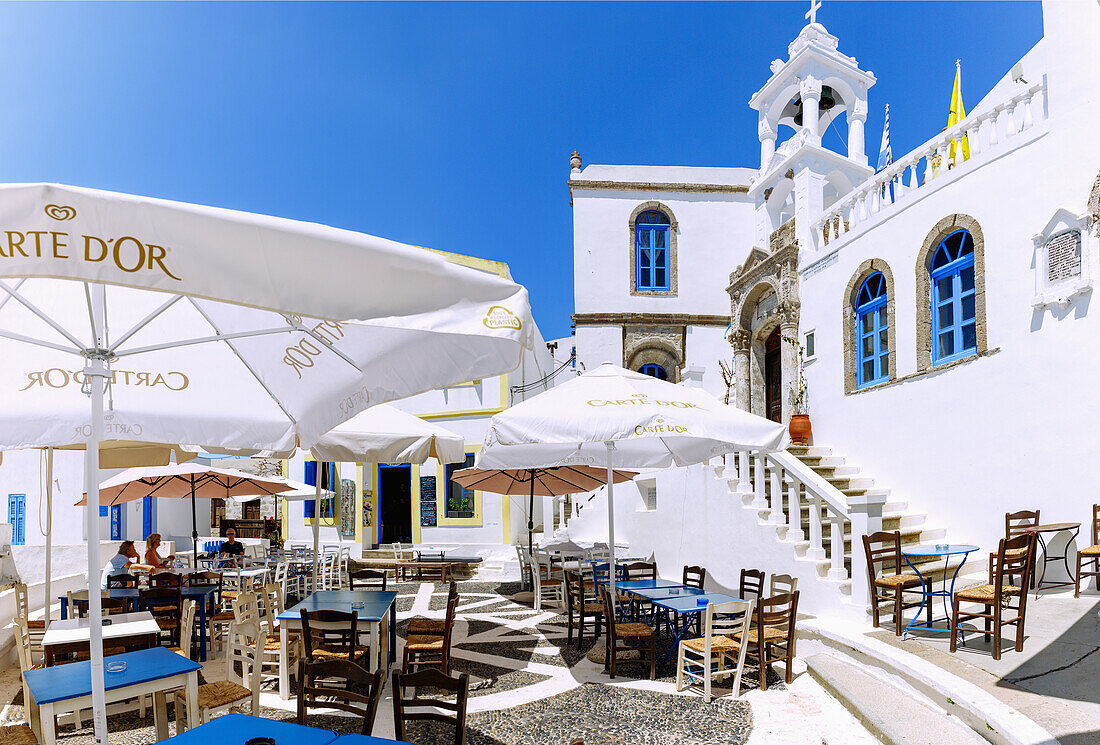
{"points": [[673, 229], [942, 229], [657, 352], [850, 324]]}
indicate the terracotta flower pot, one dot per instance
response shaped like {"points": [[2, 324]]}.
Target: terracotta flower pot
{"points": [[800, 429]]}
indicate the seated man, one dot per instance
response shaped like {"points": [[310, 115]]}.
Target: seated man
{"points": [[122, 563], [231, 552]]}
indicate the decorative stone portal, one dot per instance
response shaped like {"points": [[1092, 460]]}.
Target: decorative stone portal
{"points": [[764, 300]]}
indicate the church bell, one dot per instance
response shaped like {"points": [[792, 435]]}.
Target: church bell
{"points": [[828, 101]]}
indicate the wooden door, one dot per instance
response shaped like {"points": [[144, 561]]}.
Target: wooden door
{"points": [[773, 379]]}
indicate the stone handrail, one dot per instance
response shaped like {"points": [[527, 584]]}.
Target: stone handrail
{"points": [[985, 133]]}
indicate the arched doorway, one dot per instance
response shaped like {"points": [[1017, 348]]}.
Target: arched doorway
{"points": [[773, 377]]}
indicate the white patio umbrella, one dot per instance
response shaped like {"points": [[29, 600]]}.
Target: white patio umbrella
{"points": [[381, 434], [193, 324], [623, 419]]}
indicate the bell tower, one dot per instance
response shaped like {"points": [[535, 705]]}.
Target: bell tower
{"points": [[800, 175]]}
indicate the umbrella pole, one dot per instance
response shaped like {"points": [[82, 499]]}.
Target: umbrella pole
{"points": [[317, 526], [531, 519], [194, 528], [611, 520], [49, 528], [96, 374]]}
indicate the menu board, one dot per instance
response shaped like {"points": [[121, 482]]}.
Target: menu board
{"points": [[427, 501]]}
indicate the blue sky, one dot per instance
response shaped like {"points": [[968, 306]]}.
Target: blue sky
{"points": [[446, 125]]}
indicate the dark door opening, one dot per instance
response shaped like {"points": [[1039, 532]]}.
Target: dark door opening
{"points": [[395, 504], [773, 380]]}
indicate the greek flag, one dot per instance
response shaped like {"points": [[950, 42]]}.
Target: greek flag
{"points": [[885, 156]]}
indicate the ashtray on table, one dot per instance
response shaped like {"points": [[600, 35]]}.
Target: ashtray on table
{"points": [[115, 667]]}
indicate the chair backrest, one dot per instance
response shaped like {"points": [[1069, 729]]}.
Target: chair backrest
{"points": [[110, 606], [368, 579], [203, 579], [883, 553], [22, 605], [399, 550], [162, 601], [245, 648], [187, 625], [695, 576], [1013, 568], [778, 611], [22, 642], [336, 630], [727, 619], [316, 689], [574, 592], [752, 584], [165, 579], [428, 708], [609, 613], [78, 603], [246, 609], [121, 580], [782, 584], [640, 570], [273, 605], [1096, 525], [1017, 523]]}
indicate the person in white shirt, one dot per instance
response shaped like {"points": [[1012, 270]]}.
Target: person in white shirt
{"points": [[122, 563]]}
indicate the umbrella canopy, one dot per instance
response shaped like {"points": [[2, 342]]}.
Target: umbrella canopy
{"points": [[624, 418], [545, 482], [191, 324], [185, 481], [300, 492]]}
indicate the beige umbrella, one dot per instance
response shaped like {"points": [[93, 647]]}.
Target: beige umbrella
{"points": [[183, 481], [545, 482]]}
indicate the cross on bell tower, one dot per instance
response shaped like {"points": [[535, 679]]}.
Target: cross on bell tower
{"points": [[811, 14]]}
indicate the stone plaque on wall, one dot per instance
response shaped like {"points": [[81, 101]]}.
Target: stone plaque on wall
{"points": [[1064, 256], [347, 508]]}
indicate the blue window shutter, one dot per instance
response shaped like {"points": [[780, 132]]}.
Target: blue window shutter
{"points": [[310, 477], [102, 511], [17, 504]]}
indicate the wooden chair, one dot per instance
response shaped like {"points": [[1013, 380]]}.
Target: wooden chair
{"points": [[270, 651], [121, 580], [187, 627], [694, 576], [640, 570], [782, 584], [580, 609], [242, 643], [719, 652], [549, 581], [331, 635], [619, 635], [165, 579], [1006, 593], [428, 708], [751, 585], [433, 626], [367, 579], [1018, 523], [166, 605], [36, 627], [887, 582], [524, 566], [26, 662], [317, 679], [433, 650], [771, 638], [1092, 553]]}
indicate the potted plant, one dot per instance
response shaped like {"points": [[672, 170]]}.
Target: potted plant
{"points": [[799, 426]]}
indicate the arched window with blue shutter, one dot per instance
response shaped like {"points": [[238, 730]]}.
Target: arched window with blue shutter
{"points": [[651, 247], [954, 324], [874, 335], [654, 370]]}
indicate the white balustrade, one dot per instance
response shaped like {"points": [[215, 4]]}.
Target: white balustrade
{"points": [[880, 191]]}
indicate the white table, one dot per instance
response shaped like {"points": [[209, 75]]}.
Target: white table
{"points": [[74, 634], [68, 688]]}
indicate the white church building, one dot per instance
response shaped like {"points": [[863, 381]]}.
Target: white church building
{"points": [[942, 307]]}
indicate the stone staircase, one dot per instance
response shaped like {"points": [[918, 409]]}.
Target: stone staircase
{"points": [[849, 482]]}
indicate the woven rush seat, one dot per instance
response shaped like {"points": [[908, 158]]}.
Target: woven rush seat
{"points": [[595, 609], [167, 624], [984, 593], [326, 652], [17, 734], [424, 643], [224, 615], [220, 693], [550, 582], [427, 626], [717, 644], [893, 580], [271, 642], [771, 633], [633, 630], [1090, 551]]}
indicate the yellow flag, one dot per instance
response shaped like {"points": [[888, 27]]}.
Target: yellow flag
{"points": [[957, 114]]}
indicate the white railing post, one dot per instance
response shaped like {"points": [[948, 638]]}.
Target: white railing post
{"points": [[744, 474], [816, 551], [1010, 120], [914, 179], [866, 513], [1028, 118], [759, 501], [994, 131], [775, 517], [794, 510], [976, 140], [836, 547]]}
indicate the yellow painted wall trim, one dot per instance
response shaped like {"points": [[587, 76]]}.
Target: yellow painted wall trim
{"points": [[415, 490]]}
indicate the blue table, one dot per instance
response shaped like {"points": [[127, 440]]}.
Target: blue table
{"points": [[687, 606], [928, 593], [377, 606], [67, 688], [234, 729], [201, 595]]}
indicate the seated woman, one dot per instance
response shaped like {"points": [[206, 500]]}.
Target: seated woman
{"points": [[122, 563], [152, 558]]}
